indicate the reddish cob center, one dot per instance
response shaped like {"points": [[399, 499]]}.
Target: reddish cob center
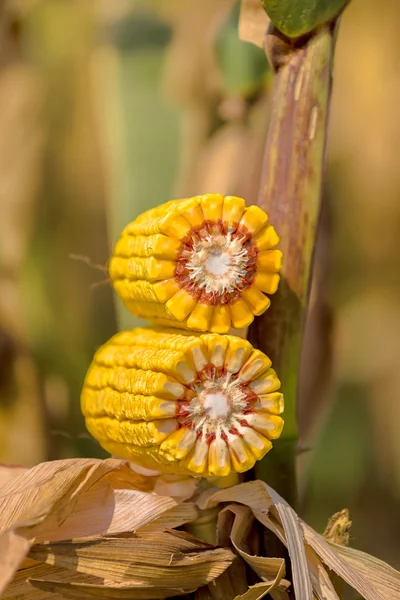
{"points": [[216, 264], [218, 406]]}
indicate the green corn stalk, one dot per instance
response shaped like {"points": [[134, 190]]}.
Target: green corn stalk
{"points": [[290, 193]]}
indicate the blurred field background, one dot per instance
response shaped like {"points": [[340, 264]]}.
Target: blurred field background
{"points": [[110, 107]]}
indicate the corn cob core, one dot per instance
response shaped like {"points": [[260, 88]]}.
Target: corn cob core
{"points": [[200, 263], [203, 405]]}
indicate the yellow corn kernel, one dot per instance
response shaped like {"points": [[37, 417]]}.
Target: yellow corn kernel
{"points": [[179, 444], [164, 290], [175, 226], [271, 403], [266, 239], [269, 425], [253, 220], [267, 282], [256, 300], [257, 364], [200, 317], [259, 444], [159, 246], [211, 205], [217, 346], [181, 304], [270, 261], [219, 461], [242, 457], [238, 352], [221, 319], [266, 383], [241, 314], [194, 215], [199, 263], [232, 212], [202, 405], [198, 458]]}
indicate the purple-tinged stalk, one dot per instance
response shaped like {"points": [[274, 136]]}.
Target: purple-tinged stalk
{"points": [[291, 193]]}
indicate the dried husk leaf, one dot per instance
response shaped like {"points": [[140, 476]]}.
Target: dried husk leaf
{"points": [[75, 498], [253, 22], [85, 498], [226, 587], [260, 497], [8, 472], [270, 570], [295, 543], [281, 593], [175, 558], [47, 491], [105, 590], [366, 586], [251, 493], [255, 592], [310, 553], [22, 589], [322, 585], [380, 575]]}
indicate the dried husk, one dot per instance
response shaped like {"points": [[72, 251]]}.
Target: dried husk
{"points": [[82, 528]]}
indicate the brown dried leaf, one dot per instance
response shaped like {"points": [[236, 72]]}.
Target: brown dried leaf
{"points": [[8, 472], [270, 570], [295, 544], [22, 589], [281, 593], [71, 498], [173, 557], [260, 497], [322, 585], [253, 22], [252, 494], [104, 590], [379, 574], [333, 559], [226, 587]]}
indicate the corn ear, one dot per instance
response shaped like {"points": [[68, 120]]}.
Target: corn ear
{"points": [[204, 405], [201, 263]]}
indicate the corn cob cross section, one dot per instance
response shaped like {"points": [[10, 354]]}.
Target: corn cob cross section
{"points": [[203, 263], [204, 405]]}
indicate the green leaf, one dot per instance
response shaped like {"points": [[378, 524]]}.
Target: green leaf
{"points": [[298, 17]]}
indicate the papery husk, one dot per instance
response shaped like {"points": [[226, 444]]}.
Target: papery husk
{"points": [[125, 545], [76, 498], [226, 587], [175, 558], [311, 555]]}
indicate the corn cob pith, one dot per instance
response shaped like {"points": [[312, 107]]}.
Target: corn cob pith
{"points": [[200, 263], [203, 405]]}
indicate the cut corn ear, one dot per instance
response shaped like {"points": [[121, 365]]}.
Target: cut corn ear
{"points": [[197, 404], [201, 263]]}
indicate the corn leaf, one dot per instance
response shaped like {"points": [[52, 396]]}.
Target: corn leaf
{"points": [[253, 22], [298, 17]]}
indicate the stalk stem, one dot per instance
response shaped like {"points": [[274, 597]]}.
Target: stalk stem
{"points": [[290, 193]]}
